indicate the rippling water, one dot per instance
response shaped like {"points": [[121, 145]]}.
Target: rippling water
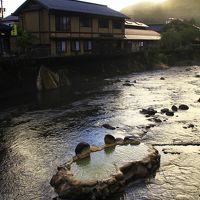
{"points": [[42, 134]]}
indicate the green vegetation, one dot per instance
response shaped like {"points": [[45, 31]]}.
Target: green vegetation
{"points": [[180, 43], [25, 41], [154, 13], [179, 35]]}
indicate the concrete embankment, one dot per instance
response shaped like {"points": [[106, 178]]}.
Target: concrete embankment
{"points": [[19, 75]]}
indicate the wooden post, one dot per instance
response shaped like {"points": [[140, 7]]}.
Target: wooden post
{"points": [[2, 9]]}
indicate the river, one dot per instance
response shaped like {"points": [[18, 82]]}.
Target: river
{"points": [[40, 132]]}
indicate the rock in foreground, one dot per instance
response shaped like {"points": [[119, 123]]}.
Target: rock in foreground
{"points": [[183, 107], [104, 170]]}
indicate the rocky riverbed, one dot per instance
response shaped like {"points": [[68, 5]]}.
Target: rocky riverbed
{"points": [[41, 134]]}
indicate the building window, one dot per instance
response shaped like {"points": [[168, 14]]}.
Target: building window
{"points": [[87, 45], [61, 46], [75, 45], [62, 23], [117, 24], [141, 44], [103, 23], [85, 22]]}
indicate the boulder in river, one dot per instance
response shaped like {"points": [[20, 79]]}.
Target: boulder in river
{"points": [[109, 139], [188, 69], [82, 148], [128, 84], [108, 126], [191, 126], [170, 113], [197, 75], [150, 126], [174, 108], [48, 79], [157, 120], [183, 107], [117, 81], [85, 178], [119, 140], [149, 111], [131, 140], [164, 110]]}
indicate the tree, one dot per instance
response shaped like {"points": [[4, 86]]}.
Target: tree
{"points": [[179, 34], [170, 40], [26, 41]]}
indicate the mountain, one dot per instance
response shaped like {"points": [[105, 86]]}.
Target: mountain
{"points": [[155, 13]]}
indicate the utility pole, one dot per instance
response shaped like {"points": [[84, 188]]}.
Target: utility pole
{"points": [[2, 9]]}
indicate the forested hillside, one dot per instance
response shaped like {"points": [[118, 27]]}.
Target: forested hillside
{"points": [[158, 13]]}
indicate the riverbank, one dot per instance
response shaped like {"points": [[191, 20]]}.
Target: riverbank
{"points": [[18, 75], [187, 57]]}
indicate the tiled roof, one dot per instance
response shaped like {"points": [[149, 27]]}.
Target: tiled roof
{"points": [[156, 27], [135, 24], [76, 6], [135, 34], [10, 18]]}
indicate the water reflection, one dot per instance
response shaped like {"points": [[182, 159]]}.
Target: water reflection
{"points": [[84, 162], [109, 150], [37, 137]]}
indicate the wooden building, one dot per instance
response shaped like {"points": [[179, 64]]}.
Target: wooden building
{"points": [[139, 36], [12, 22], [4, 39], [70, 27]]}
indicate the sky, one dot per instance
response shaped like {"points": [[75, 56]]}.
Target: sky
{"points": [[12, 5]]}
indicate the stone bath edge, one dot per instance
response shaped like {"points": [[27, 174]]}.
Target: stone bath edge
{"points": [[68, 187]]}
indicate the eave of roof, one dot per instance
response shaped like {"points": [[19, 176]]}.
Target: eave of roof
{"points": [[142, 37], [74, 6], [10, 18], [135, 34]]}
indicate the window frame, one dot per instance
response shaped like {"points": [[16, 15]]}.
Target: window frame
{"points": [[103, 23], [59, 46], [85, 22], [74, 44], [87, 45], [62, 23], [116, 24]]}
